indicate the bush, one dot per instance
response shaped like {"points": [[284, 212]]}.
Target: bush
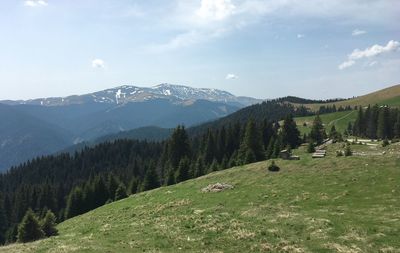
{"points": [[348, 151], [273, 167], [339, 153], [29, 229], [385, 143], [311, 148], [48, 224]]}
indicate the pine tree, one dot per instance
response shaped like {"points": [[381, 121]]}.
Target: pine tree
{"points": [[3, 221], [151, 180], [74, 203], [383, 123], [179, 146], [120, 192], [396, 127], [317, 133], [133, 185], [252, 148], [29, 229], [290, 133], [48, 224], [183, 170]]}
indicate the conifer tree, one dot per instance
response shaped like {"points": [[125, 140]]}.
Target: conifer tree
{"points": [[48, 224], [74, 203], [3, 221], [252, 148], [317, 133], [396, 127], [383, 123], [151, 180], [120, 192], [29, 229], [179, 146], [133, 185], [183, 170], [290, 133]]}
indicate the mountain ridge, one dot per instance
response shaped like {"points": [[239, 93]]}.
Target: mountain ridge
{"points": [[129, 93]]}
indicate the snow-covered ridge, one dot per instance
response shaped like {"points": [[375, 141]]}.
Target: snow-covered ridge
{"points": [[127, 93]]}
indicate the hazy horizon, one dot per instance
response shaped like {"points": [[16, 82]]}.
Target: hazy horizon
{"points": [[263, 49]]}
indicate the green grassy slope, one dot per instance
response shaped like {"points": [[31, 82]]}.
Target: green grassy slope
{"points": [[389, 96], [339, 119], [345, 204]]}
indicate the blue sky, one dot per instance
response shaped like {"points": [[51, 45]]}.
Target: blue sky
{"points": [[259, 48]]}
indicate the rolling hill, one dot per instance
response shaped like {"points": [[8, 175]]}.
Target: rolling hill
{"points": [[388, 96], [339, 119], [335, 204]]}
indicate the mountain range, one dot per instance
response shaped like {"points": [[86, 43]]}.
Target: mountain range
{"points": [[36, 127]]}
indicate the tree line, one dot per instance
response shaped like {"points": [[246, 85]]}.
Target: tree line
{"points": [[376, 122]]}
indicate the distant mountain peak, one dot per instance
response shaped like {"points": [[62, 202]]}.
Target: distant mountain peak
{"points": [[129, 93]]}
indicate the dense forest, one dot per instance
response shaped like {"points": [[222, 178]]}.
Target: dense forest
{"points": [[376, 122], [71, 184]]}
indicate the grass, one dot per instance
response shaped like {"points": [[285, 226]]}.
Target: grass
{"points": [[339, 119], [335, 204], [389, 96]]}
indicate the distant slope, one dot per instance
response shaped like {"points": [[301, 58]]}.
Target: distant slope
{"points": [[58, 127], [339, 119], [389, 96], [327, 205], [143, 133], [24, 137]]}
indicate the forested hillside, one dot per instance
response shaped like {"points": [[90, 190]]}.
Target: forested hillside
{"points": [[70, 184]]}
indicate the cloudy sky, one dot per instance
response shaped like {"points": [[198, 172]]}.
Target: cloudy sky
{"points": [[259, 48]]}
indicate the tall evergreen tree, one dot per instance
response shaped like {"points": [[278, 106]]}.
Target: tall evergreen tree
{"points": [[179, 146], [48, 224], [252, 148], [29, 229], [383, 123], [151, 180], [290, 133], [317, 133], [3, 221], [120, 192], [182, 173]]}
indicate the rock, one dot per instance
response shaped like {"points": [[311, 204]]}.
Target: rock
{"points": [[218, 187]]}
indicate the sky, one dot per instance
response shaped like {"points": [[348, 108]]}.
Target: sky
{"points": [[259, 48]]}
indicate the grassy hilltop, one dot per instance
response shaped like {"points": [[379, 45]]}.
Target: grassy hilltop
{"points": [[389, 96], [335, 204]]}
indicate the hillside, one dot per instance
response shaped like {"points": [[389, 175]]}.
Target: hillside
{"points": [[345, 204], [388, 96], [339, 119], [24, 137]]}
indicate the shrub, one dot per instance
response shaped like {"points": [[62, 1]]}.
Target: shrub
{"points": [[273, 167], [339, 153], [348, 151], [311, 148], [385, 143]]}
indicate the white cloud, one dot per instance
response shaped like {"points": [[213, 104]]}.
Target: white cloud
{"points": [[370, 52], [35, 3], [98, 63], [300, 36], [215, 9], [373, 63], [358, 32], [231, 77], [346, 64]]}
